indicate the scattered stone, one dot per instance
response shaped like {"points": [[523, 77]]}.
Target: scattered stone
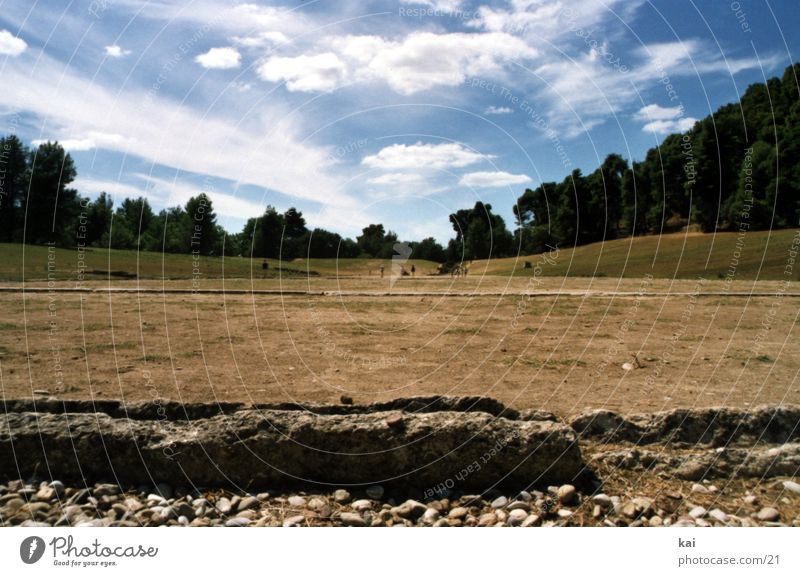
{"points": [[656, 521], [351, 519], [750, 499], [519, 505], [768, 514], [430, 516], [341, 496], [58, 486], [602, 500], [458, 513], [791, 486], [567, 494], [697, 512], [105, 490], [699, 489], [46, 494], [487, 519], [248, 502], [361, 505], [296, 501], [394, 420], [347, 400], [718, 515], [516, 517], [293, 521], [564, 513], [224, 505], [237, 522], [500, 502], [532, 520]]}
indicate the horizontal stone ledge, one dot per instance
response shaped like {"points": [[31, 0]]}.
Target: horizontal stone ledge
{"points": [[247, 448], [708, 426], [172, 410]]}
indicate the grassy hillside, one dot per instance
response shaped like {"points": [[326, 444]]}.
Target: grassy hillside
{"points": [[100, 263], [761, 255]]}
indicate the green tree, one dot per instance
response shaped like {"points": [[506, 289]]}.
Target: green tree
{"points": [[202, 228], [13, 186], [372, 240]]}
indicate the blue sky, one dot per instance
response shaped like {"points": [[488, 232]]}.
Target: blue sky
{"points": [[369, 111]]}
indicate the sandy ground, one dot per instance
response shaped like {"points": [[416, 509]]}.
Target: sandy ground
{"points": [[557, 352]]}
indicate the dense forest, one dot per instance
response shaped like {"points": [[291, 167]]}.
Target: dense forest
{"points": [[738, 168]]}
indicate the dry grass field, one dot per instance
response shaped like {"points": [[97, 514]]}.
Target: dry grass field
{"points": [[561, 351]]}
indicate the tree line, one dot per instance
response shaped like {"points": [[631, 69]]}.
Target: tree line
{"points": [[723, 173]]}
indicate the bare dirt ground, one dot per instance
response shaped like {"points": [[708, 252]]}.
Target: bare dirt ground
{"points": [[560, 351]]}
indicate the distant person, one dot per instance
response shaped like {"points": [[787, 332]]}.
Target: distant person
{"points": [[381, 270], [413, 270], [265, 265]]}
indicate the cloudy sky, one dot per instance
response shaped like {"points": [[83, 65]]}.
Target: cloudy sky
{"points": [[360, 111]]}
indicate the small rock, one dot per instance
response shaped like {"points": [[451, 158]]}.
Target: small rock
{"points": [[602, 500], [46, 494], [361, 505], [500, 502], [768, 514], [697, 512], [430, 516], [351, 519], [237, 522], [224, 505], [718, 515], [629, 510], [105, 490], [699, 489], [341, 496], [375, 492], [248, 502], [394, 420], [458, 513], [566, 494], [792, 486], [656, 521], [597, 511], [293, 521], [58, 486], [532, 520], [750, 499], [519, 505], [564, 513], [296, 501], [525, 496], [516, 517], [488, 519], [344, 399], [627, 366]]}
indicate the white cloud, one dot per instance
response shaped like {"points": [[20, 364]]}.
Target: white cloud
{"points": [[420, 61], [219, 58], [395, 178], [661, 120], [497, 110], [177, 193], [170, 134], [492, 179], [115, 51], [11, 45], [437, 5], [423, 156], [91, 140], [321, 72]]}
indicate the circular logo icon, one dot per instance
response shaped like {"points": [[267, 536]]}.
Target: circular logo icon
{"points": [[31, 550]]}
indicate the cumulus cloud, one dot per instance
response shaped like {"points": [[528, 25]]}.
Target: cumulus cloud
{"points": [[420, 61], [492, 179], [115, 51], [91, 140], [317, 73], [438, 5], [497, 110], [424, 156], [10, 45], [220, 58], [395, 178], [664, 120]]}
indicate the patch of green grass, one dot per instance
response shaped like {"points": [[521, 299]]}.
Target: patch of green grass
{"points": [[8, 326], [461, 330], [108, 346], [765, 358]]}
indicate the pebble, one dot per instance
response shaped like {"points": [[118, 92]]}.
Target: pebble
{"points": [[516, 517], [792, 486], [351, 519], [248, 502], [224, 505], [237, 522], [296, 501], [458, 513], [602, 500], [750, 499], [58, 486], [488, 519], [532, 520], [699, 489], [375, 492], [519, 505], [341, 496], [361, 505], [564, 513], [294, 521], [697, 512], [430, 516], [105, 490], [656, 521], [500, 502], [718, 514], [768, 514], [566, 494]]}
